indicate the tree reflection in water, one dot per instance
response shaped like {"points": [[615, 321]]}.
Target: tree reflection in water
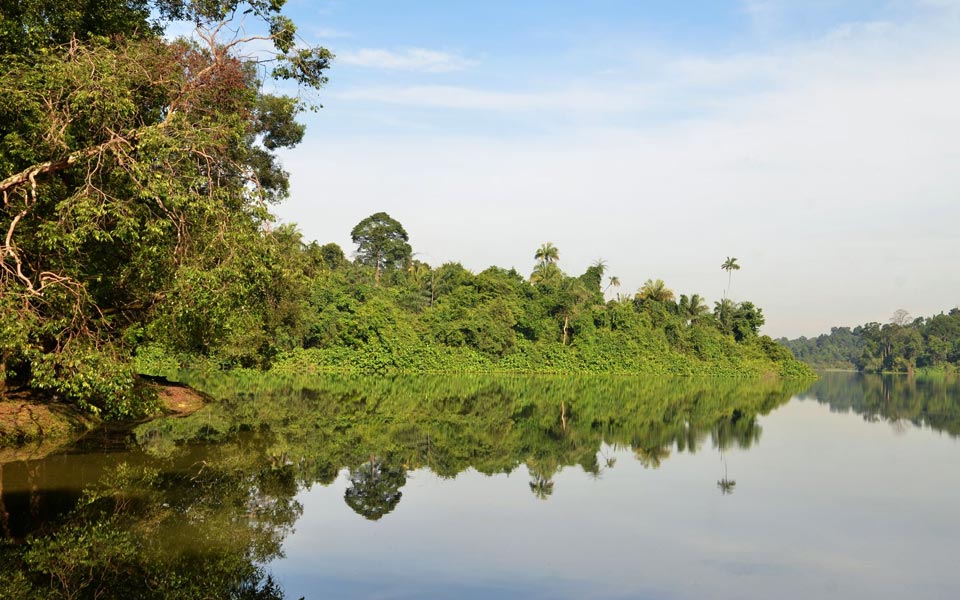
{"points": [[198, 504], [374, 489]]}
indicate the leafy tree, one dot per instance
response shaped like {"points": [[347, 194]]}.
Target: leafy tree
{"points": [[747, 320], [135, 170], [382, 243]]}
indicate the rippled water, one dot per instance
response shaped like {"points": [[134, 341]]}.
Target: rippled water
{"points": [[540, 487]]}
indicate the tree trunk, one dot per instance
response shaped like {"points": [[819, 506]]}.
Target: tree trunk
{"points": [[566, 322], [3, 375]]}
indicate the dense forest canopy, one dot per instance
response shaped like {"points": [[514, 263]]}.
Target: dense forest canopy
{"points": [[901, 345], [137, 172]]}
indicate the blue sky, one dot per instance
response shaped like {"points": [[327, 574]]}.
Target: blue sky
{"points": [[815, 140]]}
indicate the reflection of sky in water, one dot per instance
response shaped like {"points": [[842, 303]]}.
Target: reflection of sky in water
{"points": [[826, 505]]}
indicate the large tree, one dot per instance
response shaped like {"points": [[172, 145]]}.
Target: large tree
{"points": [[135, 175], [382, 243]]}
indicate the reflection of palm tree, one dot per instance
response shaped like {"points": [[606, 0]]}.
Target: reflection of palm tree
{"points": [[541, 486], [374, 489], [541, 477], [726, 484], [651, 458]]}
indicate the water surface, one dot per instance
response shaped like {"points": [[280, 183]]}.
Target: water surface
{"points": [[526, 487]]}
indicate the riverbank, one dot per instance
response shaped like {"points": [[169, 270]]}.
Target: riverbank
{"points": [[32, 426]]}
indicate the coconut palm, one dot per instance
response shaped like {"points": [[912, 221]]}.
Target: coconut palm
{"points": [[724, 311], [546, 273], [655, 290], [692, 308], [730, 265], [547, 253], [613, 281]]}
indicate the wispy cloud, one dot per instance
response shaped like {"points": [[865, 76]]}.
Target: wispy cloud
{"points": [[442, 96], [410, 59], [329, 33]]}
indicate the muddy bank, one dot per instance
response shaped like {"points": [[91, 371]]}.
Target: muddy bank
{"points": [[32, 427]]}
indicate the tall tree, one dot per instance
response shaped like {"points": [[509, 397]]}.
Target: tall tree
{"points": [[382, 243], [730, 265]]}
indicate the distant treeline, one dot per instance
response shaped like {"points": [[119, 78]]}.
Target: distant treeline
{"points": [[902, 345]]}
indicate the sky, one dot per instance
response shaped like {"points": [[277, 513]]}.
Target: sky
{"points": [[816, 141]]}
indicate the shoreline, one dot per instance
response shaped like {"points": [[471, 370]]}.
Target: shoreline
{"points": [[32, 427]]}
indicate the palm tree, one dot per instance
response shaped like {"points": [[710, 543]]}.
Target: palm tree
{"points": [[697, 308], [600, 265], [613, 281], [546, 273], [655, 290], [730, 265], [547, 253], [723, 311]]}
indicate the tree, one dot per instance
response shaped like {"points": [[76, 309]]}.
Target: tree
{"points": [[382, 243], [730, 265], [656, 291], [136, 171], [547, 253], [747, 320], [692, 308], [613, 281], [900, 317]]}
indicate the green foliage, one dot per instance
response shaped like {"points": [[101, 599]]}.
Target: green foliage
{"points": [[899, 346], [448, 319], [135, 172], [381, 243]]}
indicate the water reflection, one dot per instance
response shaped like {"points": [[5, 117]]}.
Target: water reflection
{"points": [[194, 507], [924, 401]]}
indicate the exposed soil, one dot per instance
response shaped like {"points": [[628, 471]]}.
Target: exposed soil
{"points": [[180, 400], [32, 426]]}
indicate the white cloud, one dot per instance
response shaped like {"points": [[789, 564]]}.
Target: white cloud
{"points": [[411, 59]]}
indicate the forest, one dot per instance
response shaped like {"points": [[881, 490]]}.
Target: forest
{"points": [[137, 173], [903, 345]]}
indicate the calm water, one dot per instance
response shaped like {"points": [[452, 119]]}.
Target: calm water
{"points": [[539, 487]]}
